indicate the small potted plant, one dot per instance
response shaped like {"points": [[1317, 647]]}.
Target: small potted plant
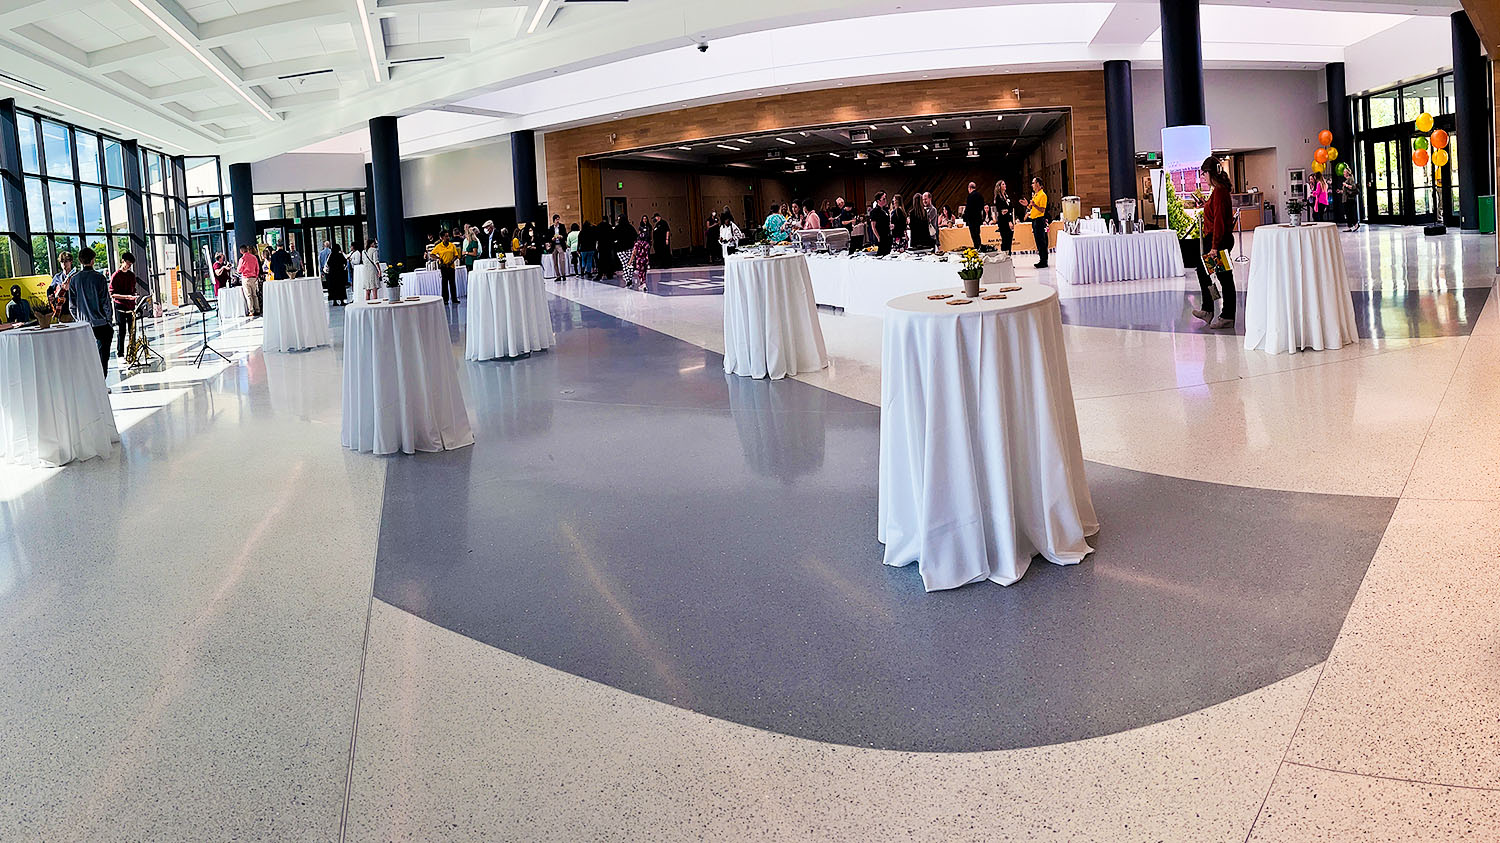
{"points": [[971, 271], [1294, 211], [43, 313], [393, 282]]}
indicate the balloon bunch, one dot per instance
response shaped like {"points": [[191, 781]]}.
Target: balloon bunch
{"points": [[1326, 154], [1432, 148]]}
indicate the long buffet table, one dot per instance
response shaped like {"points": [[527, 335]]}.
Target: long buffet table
{"points": [[862, 284], [951, 239]]}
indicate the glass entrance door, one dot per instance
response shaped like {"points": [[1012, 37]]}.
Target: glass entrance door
{"points": [[1386, 180]]}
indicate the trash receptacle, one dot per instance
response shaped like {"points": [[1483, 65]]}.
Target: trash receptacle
{"points": [[1487, 214]]}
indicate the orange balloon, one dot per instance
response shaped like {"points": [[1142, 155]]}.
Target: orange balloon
{"points": [[1325, 137], [1440, 139], [1419, 158], [1320, 155]]}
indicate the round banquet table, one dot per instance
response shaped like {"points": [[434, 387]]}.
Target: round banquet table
{"points": [[296, 314], [232, 303], [508, 314], [429, 282], [491, 264], [1098, 258], [770, 320], [980, 464], [401, 389], [54, 406], [1298, 295]]}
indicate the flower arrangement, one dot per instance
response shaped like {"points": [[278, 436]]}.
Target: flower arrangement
{"points": [[393, 274], [973, 265]]}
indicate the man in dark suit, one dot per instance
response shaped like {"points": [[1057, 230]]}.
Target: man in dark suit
{"points": [[493, 245], [974, 213], [880, 223]]}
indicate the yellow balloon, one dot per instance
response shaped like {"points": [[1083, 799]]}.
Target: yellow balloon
{"points": [[1333, 154], [1439, 157], [1424, 122], [1317, 166]]}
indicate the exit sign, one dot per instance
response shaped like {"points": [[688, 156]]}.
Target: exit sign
{"points": [[1152, 156], [619, 185]]}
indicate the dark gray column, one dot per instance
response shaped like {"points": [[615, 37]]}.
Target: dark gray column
{"points": [[185, 257], [1182, 63], [370, 203], [13, 191], [1472, 118], [1342, 127], [385, 176], [135, 209], [523, 174], [242, 197], [1119, 125]]}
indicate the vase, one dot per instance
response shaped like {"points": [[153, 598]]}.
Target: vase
{"points": [[43, 320], [971, 286], [1296, 219], [392, 294]]}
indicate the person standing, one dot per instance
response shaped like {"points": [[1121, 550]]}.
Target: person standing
{"points": [[661, 242], [729, 233], [281, 263], [249, 269], [1319, 197], [471, 247], [711, 237], [323, 256], [575, 261], [57, 291], [1350, 190], [556, 244], [89, 299], [122, 294], [974, 214], [898, 223], [447, 258], [640, 254], [880, 224], [298, 267], [1036, 212], [588, 242], [366, 264], [1218, 239], [336, 275], [1005, 216], [921, 237], [222, 273], [810, 219], [492, 242]]}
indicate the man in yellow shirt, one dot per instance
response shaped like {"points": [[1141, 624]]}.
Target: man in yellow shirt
{"points": [[1038, 217], [447, 254]]}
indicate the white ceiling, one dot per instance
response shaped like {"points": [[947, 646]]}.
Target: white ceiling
{"points": [[249, 79]]}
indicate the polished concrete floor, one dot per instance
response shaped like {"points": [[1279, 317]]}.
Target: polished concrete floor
{"points": [[648, 604]]}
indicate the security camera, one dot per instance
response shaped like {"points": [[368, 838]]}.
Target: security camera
{"points": [[703, 46]]}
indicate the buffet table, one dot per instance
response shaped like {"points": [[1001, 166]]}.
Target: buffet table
{"points": [[770, 319], [508, 314], [401, 388], [958, 239], [1298, 296], [296, 315], [429, 282], [1099, 258], [54, 406], [980, 463], [863, 284], [232, 303]]}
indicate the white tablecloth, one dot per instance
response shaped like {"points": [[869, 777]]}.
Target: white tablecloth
{"points": [[862, 285], [232, 303], [296, 314], [770, 319], [429, 282], [1298, 295], [401, 389], [54, 406], [1097, 258], [980, 465], [491, 264], [1089, 225], [508, 314]]}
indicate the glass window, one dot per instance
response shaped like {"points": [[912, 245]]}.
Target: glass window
{"points": [[202, 176], [93, 209], [64, 206], [26, 127], [114, 162], [1450, 103], [88, 156], [58, 150], [4, 227], [155, 180], [7, 266], [1383, 110], [36, 205], [101, 250], [119, 214], [41, 260], [1418, 98]]}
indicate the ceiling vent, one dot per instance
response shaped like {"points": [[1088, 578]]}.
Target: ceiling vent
{"points": [[859, 136]]}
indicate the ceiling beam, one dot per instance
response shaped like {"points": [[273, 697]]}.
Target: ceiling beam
{"points": [[225, 30], [181, 27], [46, 40], [426, 50], [1128, 23], [109, 57], [310, 98], [258, 73]]}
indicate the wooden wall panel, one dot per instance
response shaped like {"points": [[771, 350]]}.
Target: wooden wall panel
{"points": [[1082, 91]]}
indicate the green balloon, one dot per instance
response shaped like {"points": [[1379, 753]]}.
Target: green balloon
{"points": [[1420, 143], [1339, 170]]}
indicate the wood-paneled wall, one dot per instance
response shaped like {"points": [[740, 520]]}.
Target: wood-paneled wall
{"points": [[567, 150]]}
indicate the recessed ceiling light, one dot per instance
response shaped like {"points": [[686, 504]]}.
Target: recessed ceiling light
{"points": [[906, 129], [787, 142], [925, 146], [685, 148], [934, 122], [834, 154], [966, 125], [740, 140], [728, 147]]}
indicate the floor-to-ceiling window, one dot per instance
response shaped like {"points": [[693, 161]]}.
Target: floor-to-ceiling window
{"points": [[1395, 188], [306, 220]]}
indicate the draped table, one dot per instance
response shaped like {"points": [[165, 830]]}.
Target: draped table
{"points": [[401, 389], [296, 315], [1299, 294], [1099, 258], [232, 304], [508, 314], [770, 319], [1092, 225], [491, 264], [429, 282], [54, 406], [980, 464], [862, 284]]}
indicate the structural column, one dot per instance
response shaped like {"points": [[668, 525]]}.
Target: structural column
{"points": [[370, 226], [523, 174], [1471, 112], [1182, 63], [385, 179], [13, 192], [135, 208], [242, 198], [1119, 125], [1341, 127]]}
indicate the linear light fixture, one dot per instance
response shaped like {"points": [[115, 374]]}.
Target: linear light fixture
{"points": [[685, 148], [728, 147], [364, 21], [787, 142], [145, 10], [536, 19], [120, 127], [966, 125], [905, 128]]}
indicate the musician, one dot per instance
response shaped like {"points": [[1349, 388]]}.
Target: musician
{"points": [[57, 291], [122, 292]]}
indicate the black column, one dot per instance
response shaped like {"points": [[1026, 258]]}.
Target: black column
{"points": [[1119, 125], [135, 208], [1182, 63], [242, 197], [13, 192], [1472, 119], [385, 176], [370, 228], [523, 174], [1341, 127], [185, 258]]}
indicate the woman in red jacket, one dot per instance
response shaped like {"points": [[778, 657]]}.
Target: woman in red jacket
{"points": [[1218, 239]]}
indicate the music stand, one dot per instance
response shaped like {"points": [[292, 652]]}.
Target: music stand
{"points": [[144, 305], [202, 304]]}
